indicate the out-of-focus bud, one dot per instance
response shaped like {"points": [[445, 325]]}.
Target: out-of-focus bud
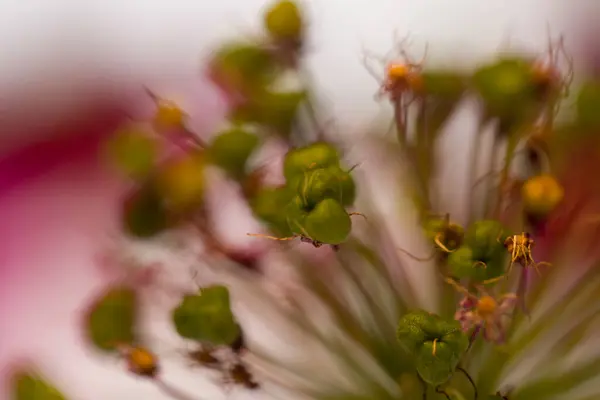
{"points": [[133, 151], [541, 195], [181, 182], [283, 21]]}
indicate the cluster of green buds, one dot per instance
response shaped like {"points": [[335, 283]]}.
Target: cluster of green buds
{"points": [[312, 204], [249, 72]]}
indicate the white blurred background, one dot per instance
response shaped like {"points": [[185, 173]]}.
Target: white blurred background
{"points": [[51, 51]]}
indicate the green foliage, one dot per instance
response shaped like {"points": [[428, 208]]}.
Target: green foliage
{"points": [[418, 330], [231, 150], [29, 385], [111, 319], [206, 317]]}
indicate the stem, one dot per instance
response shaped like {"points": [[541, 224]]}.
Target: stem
{"points": [[473, 178], [513, 140], [489, 200]]}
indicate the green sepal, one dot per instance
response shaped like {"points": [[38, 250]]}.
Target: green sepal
{"points": [[328, 222]]}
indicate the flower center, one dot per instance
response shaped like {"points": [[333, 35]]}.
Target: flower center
{"points": [[486, 305]]}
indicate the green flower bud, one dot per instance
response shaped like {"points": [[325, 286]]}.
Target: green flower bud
{"points": [[588, 104], [507, 88], [231, 150], [278, 110], [314, 156], [207, 317], [133, 151], [326, 183], [437, 344], [269, 205], [463, 264], [283, 20], [144, 214], [328, 223], [28, 385], [485, 238], [244, 67], [112, 318], [181, 182]]}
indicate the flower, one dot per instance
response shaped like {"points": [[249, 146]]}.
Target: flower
{"points": [[485, 314]]}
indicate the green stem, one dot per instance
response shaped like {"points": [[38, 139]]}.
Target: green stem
{"points": [[473, 177], [513, 141], [489, 199]]}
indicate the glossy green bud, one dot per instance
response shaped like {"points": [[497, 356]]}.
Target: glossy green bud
{"points": [[462, 264], [231, 149], [29, 385], [269, 205], [507, 88], [419, 332], [326, 183], [328, 223], [588, 104], [144, 214], [283, 20], [111, 318], [207, 317], [485, 238], [303, 159], [133, 151]]}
